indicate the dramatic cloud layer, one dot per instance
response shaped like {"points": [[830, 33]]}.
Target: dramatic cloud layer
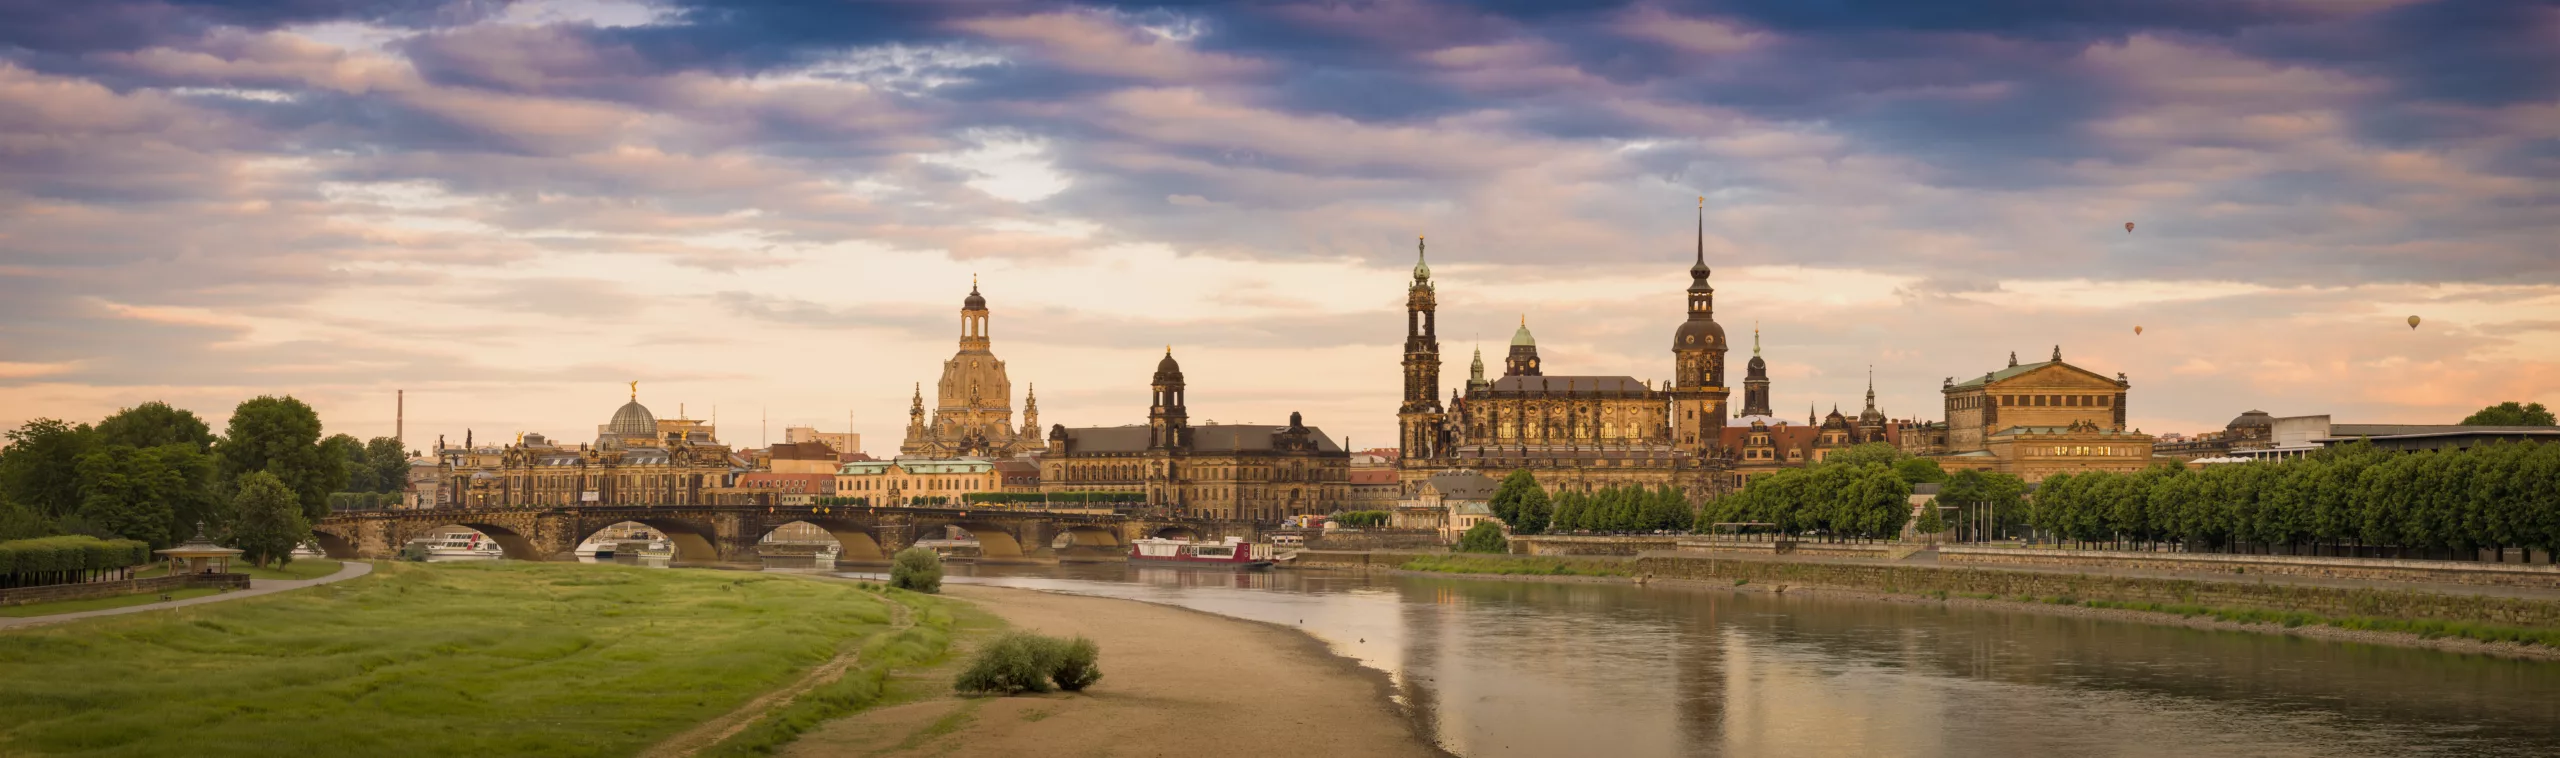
{"points": [[509, 208]]}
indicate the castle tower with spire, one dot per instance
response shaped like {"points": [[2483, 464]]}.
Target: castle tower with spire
{"points": [[1698, 390]]}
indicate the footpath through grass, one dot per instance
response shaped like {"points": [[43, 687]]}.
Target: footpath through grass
{"points": [[483, 659], [99, 603], [1513, 566]]}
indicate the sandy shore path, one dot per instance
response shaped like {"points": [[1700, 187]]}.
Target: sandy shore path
{"points": [[1175, 683]]}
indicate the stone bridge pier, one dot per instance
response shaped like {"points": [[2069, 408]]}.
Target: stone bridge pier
{"points": [[727, 536]]}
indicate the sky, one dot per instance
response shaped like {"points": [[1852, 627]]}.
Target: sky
{"points": [[770, 210]]}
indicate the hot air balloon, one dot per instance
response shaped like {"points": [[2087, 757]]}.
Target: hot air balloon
{"points": [[2137, 330], [2128, 227], [2413, 322]]}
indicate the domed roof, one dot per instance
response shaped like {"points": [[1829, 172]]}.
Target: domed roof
{"points": [[975, 301], [1521, 338], [634, 420], [1698, 334], [2252, 418], [1757, 364], [1167, 367]]}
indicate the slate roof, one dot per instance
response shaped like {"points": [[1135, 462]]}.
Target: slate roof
{"points": [[1536, 384], [917, 466], [2005, 373], [1205, 438], [1464, 485]]}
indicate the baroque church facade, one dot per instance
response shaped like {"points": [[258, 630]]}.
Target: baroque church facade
{"points": [[973, 402], [1573, 432]]}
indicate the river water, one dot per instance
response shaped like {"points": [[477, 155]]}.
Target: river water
{"points": [[1495, 668]]}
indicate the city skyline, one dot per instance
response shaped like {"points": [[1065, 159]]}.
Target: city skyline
{"points": [[778, 215]]}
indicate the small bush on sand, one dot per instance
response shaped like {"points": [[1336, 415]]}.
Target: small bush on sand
{"points": [[1019, 662], [918, 569], [1015, 662], [1079, 664]]}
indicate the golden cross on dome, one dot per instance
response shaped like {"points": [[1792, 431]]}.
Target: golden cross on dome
{"points": [[635, 390]]}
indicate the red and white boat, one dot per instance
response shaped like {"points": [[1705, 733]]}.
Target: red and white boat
{"points": [[1231, 554]]}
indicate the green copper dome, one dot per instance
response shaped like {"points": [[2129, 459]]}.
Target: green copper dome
{"points": [[1521, 338]]}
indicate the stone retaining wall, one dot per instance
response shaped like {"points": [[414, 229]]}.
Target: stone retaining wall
{"points": [[2439, 572], [112, 588], [1376, 539], [2234, 593], [1547, 544]]}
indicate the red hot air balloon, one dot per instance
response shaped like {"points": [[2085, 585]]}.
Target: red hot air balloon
{"points": [[2137, 331], [2128, 227]]}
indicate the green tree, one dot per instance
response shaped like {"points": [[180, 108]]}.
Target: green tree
{"points": [[39, 470], [1931, 521], [281, 436], [151, 494], [1920, 471], [389, 463], [1507, 496], [154, 424], [1865, 453], [349, 453], [1484, 537], [916, 568], [2512, 413], [267, 519], [1535, 512]]}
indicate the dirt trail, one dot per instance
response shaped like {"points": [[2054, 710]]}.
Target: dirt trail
{"points": [[711, 732], [1175, 682]]}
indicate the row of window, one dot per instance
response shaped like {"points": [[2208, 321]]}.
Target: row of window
{"points": [[2059, 401], [2084, 450]]}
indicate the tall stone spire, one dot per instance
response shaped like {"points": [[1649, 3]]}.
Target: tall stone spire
{"points": [[1418, 417]]}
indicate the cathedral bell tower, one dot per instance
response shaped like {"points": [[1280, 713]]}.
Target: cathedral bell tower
{"points": [[1168, 425], [1698, 393], [1418, 419]]}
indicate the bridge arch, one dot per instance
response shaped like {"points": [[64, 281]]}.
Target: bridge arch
{"points": [[694, 542], [336, 545], [1086, 535], [855, 541], [1176, 532], [512, 544], [995, 542]]}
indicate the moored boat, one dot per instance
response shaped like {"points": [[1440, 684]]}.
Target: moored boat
{"points": [[1231, 554]]}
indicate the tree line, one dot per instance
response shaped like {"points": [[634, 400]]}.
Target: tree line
{"points": [[153, 473], [1833, 500], [2349, 500]]}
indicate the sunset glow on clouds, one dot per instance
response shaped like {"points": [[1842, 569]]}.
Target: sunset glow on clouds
{"points": [[775, 208]]}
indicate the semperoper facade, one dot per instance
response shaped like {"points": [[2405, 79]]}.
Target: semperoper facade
{"points": [[973, 403]]}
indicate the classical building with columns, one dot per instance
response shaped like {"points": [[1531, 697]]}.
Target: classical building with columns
{"points": [[637, 459], [1580, 432], [973, 402], [1228, 471], [2032, 420]]}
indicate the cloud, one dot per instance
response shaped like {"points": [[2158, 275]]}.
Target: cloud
{"points": [[501, 203]]}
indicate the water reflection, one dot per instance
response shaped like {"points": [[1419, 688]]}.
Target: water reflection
{"points": [[1502, 669]]}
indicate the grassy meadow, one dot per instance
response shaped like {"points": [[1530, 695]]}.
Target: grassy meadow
{"points": [[98, 604], [483, 659]]}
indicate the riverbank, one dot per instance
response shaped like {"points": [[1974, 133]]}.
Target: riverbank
{"points": [[1175, 681], [431, 659], [2453, 619]]}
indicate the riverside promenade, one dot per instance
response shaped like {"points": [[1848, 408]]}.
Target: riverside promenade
{"points": [[257, 587]]}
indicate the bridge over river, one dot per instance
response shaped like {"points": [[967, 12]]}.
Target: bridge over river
{"points": [[718, 535]]}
